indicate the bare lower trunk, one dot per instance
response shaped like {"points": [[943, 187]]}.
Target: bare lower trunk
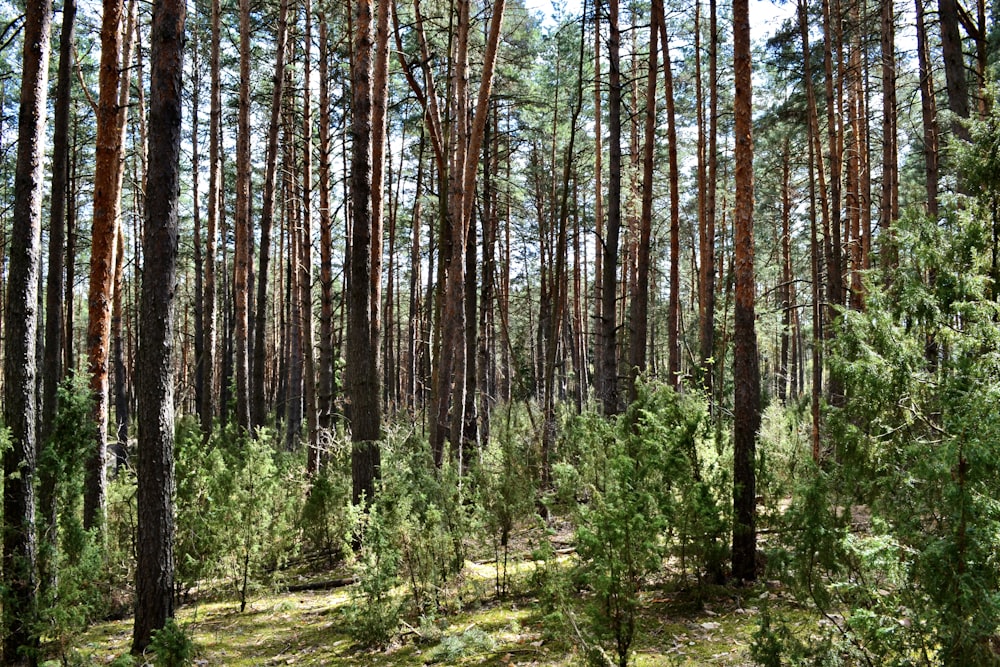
{"points": [[21, 318], [154, 498]]}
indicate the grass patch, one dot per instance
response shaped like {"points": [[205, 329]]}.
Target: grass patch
{"points": [[309, 628]]}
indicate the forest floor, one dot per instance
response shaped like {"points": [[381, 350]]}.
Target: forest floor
{"points": [[306, 621], [310, 627]]}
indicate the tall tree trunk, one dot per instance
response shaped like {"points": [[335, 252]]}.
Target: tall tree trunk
{"points": [[200, 372], [69, 359], [608, 383], [815, 152], [639, 304], [206, 410], [706, 237], [52, 368], [108, 175], [55, 335], [305, 255], [598, 207], [259, 402], [326, 362], [559, 283], [785, 289], [673, 308], [746, 374], [816, 261], [956, 82], [449, 396], [928, 114], [362, 378], [242, 228], [154, 499], [414, 379], [118, 339], [19, 540], [890, 161], [835, 270], [292, 219]]}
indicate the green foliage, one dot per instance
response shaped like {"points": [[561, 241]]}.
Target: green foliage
{"points": [[776, 643], [324, 520], [472, 642], [238, 502], [171, 646], [375, 611], [916, 460], [641, 478], [505, 488], [430, 517], [79, 573]]}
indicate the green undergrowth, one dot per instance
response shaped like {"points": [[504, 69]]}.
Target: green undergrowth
{"points": [[716, 627]]}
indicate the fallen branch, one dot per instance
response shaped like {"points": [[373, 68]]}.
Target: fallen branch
{"points": [[325, 585]]}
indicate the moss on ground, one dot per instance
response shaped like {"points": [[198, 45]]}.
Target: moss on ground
{"points": [[310, 628]]}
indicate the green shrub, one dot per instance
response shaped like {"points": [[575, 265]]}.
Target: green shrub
{"points": [[505, 487], [374, 614], [642, 477], [171, 646], [238, 501], [325, 521], [915, 463], [453, 648]]}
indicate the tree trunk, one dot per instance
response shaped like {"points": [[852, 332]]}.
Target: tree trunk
{"points": [[52, 368], [19, 541], [326, 361], [954, 67], [242, 228], [890, 168], [259, 403], [598, 209], [608, 383], [639, 304], [154, 499], [706, 238], [118, 338], [362, 378], [746, 374], [928, 115], [835, 270], [207, 408], [305, 256], [55, 335], [785, 289], [108, 174]]}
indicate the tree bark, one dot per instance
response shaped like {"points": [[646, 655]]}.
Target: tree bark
{"points": [[956, 82], [52, 369], [154, 498], [746, 374], [928, 115], [362, 379], [207, 408], [55, 282], [706, 238], [242, 229], [639, 305], [305, 256], [108, 174], [259, 403], [21, 315], [608, 383], [890, 169], [326, 359]]}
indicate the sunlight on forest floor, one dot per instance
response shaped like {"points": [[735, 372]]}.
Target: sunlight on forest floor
{"points": [[310, 628]]}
